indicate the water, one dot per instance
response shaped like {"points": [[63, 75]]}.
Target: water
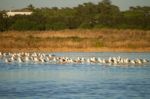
{"points": [[76, 81]]}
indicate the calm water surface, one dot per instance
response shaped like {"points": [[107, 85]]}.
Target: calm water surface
{"points": [[76, 81]]}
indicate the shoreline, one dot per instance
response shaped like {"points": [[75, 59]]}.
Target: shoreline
{"points": [[75, 50]]}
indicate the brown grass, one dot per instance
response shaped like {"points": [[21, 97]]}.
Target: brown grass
{"points": [[76, 40]]}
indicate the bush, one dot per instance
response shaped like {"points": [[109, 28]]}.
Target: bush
{"points": [[23, 24], [85, 26], [56, 26]]}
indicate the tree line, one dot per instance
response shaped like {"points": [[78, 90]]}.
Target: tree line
{"points": [[86, 16]]}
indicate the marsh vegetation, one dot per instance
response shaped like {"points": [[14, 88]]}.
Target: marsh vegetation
{"points": [[76, 40]]}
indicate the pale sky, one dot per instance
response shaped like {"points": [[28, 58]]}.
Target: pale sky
{"points": [[17, 4]]}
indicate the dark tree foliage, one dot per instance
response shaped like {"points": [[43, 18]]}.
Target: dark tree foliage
{"points": [[3, 21], [30, 7], [87, 16]]}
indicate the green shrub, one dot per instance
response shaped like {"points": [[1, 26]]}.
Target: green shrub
{"points": [[23, 24]]}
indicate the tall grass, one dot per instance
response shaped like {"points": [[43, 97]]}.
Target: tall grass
{"points": [[76, 39]]}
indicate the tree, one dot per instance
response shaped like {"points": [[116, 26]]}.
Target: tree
{"points": [[87, 15], [30, 7], [107, 2], [3, 21]]}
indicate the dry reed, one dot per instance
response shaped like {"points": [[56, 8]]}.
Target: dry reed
{"points": [[76, 40]]}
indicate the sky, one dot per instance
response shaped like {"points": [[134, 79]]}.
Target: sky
{"points": [[17, 4]]}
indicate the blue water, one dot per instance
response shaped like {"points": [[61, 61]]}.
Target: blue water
{"points": [[76, 81]]}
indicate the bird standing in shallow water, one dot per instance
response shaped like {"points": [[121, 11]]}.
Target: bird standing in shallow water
{"points": [[48, 58]]}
